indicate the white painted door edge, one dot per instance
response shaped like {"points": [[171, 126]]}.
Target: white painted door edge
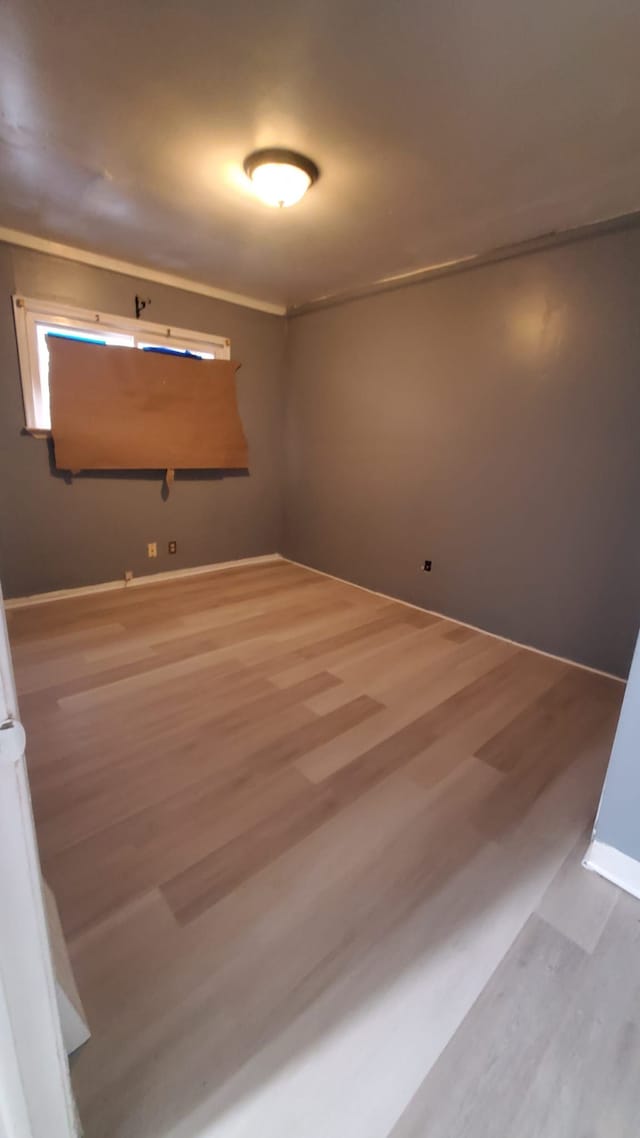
{"points": [[146, 579], [615, 866], [36, 1100]]}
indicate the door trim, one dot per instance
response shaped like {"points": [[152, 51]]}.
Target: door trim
{"points": [[36, 1100]]}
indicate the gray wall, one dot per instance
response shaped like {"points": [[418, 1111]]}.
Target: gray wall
{"points": [[56, 535], [618, 822], [488, 420]]}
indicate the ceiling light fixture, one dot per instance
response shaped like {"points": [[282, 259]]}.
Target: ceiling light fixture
{"points": [[280, 177]]}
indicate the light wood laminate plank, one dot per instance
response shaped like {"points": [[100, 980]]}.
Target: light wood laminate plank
{"points": [[316, 856]]}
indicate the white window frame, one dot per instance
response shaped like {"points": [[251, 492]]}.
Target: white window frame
{"points": [[29, 313]]}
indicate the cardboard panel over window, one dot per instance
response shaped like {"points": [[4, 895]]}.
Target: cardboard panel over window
{"points": [[126, 409]]}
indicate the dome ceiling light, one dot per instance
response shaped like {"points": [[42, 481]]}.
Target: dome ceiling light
{"points": [[280, 177]]}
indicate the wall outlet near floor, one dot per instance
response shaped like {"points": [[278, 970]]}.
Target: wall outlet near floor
{"points": [[152, 549], [128, 576], [427, 566], [173, 547]]}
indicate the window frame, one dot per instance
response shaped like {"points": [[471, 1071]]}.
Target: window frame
{"points": [[29, 313]]}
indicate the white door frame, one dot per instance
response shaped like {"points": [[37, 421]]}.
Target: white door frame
{"points": [[36, 1100]]}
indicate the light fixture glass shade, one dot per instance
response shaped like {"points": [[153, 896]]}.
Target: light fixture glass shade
{"points": [[280, 177], [279, 184]]}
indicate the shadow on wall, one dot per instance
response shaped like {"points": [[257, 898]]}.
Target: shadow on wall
{"points": [[141, 475]]}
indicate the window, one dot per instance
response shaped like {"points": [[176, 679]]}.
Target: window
{"points": [[37, 319]]}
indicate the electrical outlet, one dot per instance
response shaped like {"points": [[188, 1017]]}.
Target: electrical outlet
{"points": [[152, 549], [427, 566], [173, 547], [128, 576]]}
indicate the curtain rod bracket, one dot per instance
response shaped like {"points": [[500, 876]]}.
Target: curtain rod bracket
{"points": [[141, 304]]}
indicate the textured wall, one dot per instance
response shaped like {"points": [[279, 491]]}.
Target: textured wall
{"points": [[56, 535], [489, 420]]}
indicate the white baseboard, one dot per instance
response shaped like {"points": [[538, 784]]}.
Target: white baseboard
{"points": [[454, 620], [174, 574], [614, 865], [147, 579]]}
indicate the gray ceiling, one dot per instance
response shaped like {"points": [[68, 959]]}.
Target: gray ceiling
{"points": [[442, 128]]}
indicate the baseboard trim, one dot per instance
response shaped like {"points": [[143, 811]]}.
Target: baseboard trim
{"points": [[147, 579], [615, 866], [454, 620], [176, 574]]}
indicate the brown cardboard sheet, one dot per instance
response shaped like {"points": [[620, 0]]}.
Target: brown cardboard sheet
{"points": [[126, 409]]}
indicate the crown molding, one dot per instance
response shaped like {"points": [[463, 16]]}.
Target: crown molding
{"points": [[474, 261], [141, 272], [384, 284]]}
